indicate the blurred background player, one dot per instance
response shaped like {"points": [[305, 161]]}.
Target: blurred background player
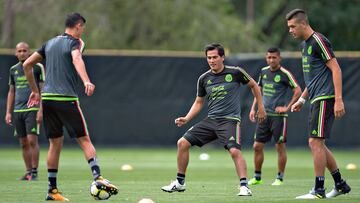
{"points": [[220, 87], [64, 65], [274, 81], [25, 120], [322, 75]]}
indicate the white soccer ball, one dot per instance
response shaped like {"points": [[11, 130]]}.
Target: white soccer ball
{"points": [[97, 191], [204, 157], [146, 200]]}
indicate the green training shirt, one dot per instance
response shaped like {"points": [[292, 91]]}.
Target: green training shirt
{"points": [[22, 88]]}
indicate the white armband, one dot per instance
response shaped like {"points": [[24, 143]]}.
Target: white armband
{"points": [[302, 100]]}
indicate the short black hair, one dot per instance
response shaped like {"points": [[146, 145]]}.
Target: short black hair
{"points": [[215, 46], [273, 50], [74, 18], [298, 14]]}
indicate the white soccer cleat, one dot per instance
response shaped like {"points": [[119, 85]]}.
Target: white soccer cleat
{"points": [[312, 195], [174, 186], [244, 191], [340, 189]]}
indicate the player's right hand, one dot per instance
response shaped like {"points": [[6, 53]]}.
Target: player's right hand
{"points": [[252, 116], [89, 88], [8, 119], [180, 121], [34, 99], [261, 115], [297, 106]]}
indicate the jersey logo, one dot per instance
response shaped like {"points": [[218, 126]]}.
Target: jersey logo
{"points": [[231, 138], [277, 78], [309, 50], [314, 132], [16, 72], [228, 78], [209, 82], [264, 76], [33, 130]]}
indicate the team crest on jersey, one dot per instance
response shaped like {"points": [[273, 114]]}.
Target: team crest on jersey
{"points": [[309, 50], [228, 78], [277, 78]]}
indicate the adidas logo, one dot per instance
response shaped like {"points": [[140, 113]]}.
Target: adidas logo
{"points": [[231, 138], [33, 130], [314, 132], [209, 82]]}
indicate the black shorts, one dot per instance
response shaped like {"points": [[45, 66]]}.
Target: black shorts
{"points": [[59, 114], [207, 130], [321, 118], [273, 126], [25, 123]]}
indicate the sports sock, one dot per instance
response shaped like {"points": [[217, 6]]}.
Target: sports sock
{"points": [[52, 173], [95, 169], [319, 182], [181, 178], [257, 175], [337, 176], [34, 171], [243, 182], [280, 176]]}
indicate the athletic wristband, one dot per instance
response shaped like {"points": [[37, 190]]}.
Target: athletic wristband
{"points": [[302, 100]]}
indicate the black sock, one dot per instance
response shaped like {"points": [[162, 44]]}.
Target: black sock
{"points": [[280, 176], [95, 169], [257, 175], [52, 173], [336, 176], [34, 171], [243, 182], [319, 183], [181, 178]]}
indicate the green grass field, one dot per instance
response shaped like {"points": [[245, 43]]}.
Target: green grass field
{"points": [[207, 181]]}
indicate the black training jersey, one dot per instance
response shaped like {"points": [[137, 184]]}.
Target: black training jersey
{"points": [[61, 74], [222, 91], [22, 89], [316, 52], [274, 87]]}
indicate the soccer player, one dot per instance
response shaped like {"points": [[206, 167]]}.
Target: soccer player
{"points": [[220, 87], [274, 81], [322, 75], [25, 120], [64, 65]]}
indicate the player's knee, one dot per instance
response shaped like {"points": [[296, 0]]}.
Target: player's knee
{"points": [[182, 143], [257, 147]]}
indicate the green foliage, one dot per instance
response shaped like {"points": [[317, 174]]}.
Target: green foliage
{"points": [[184, 24]]}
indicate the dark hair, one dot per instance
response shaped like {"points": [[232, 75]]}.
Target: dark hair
{"points": [[274, 50], [215, 46], [298, 14], [74, 18]]}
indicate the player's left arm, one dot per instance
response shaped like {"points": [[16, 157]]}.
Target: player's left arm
{"points": [[81, 70], [261, 114], [339, 108]]}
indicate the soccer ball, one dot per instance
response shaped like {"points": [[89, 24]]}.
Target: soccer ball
{"points": [[97, 191]]}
